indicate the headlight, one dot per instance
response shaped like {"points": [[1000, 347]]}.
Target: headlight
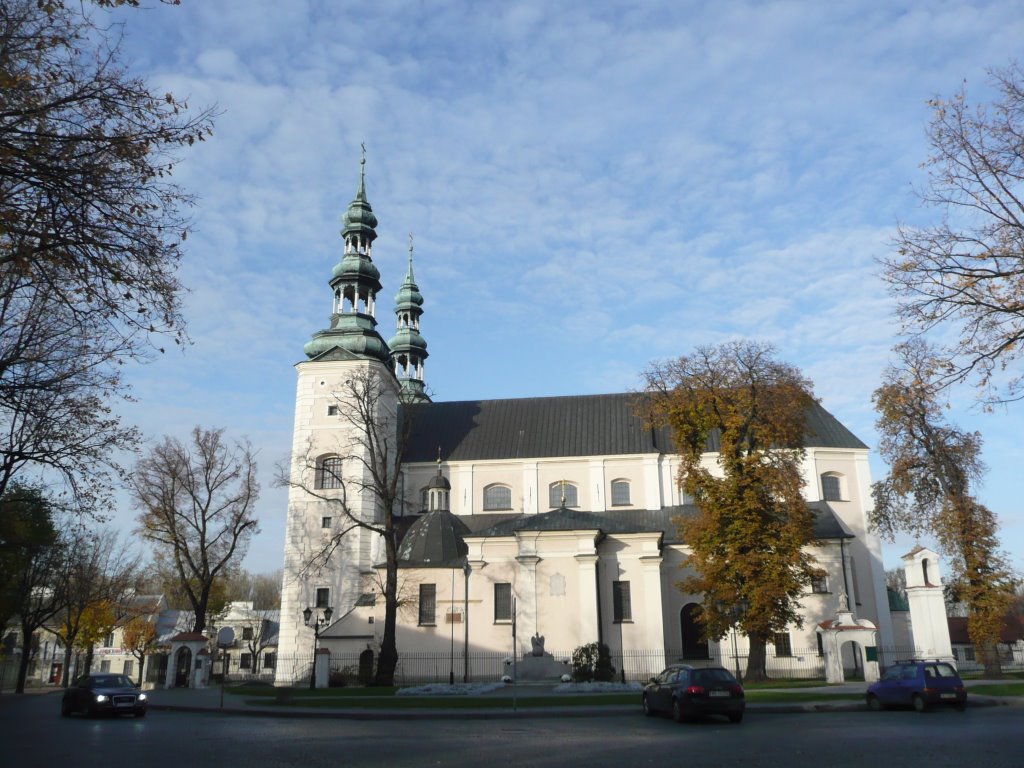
{"points": [[142, 697], [100, 698]]}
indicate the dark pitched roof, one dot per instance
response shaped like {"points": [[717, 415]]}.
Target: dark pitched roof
{"points": [[579, 425], [826, 524], [562, 519]]}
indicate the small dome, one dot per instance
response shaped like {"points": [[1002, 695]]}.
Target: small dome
{"points": [[439, 481], [435, 539], [408, 339], [408, 294]]}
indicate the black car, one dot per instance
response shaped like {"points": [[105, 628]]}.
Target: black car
{"points": [[688, 691], [920, 684], [103, 694]]}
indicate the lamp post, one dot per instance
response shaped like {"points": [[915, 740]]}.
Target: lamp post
{"points": [[466, 569], [317, 624]]}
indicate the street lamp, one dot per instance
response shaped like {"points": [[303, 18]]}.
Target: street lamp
{"points": [[321, 621]]}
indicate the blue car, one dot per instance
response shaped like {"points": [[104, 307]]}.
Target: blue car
{"points": [[918, 684]]}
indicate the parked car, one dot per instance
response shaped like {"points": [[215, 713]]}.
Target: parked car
{"points": [[103, 694], [688, 691], [919, 684]]}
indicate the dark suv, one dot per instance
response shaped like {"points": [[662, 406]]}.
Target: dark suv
{"points": [[919, 684]]}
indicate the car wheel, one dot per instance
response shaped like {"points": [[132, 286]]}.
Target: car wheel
{"points": [[960, 706], [677, 711], [647, 706], [874, 703], [735, 717], [65, 709], [919, 703]]}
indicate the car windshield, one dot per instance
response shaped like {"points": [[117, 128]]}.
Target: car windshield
{"points": [[111, 681], [941, 670]]}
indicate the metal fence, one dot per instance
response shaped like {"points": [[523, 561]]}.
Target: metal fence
{"points": [[631, 666]]}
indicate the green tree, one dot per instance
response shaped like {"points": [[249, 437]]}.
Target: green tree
{"points": [[927, 492], [32, 557], [752, 525], [967, 271], [196, 505]]}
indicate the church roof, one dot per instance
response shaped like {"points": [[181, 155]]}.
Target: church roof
{"points": [[562, 519], [578, 425]]}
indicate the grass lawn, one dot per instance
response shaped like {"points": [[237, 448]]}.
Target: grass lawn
{"points": [[998, 689]]}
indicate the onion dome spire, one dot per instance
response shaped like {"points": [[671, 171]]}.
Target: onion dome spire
{"points": [[408, 347], [355, 282]]}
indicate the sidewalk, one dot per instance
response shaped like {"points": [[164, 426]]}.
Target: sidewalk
{"points": [[209, 700]]}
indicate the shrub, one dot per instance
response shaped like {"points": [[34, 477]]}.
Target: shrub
{"points": [[592, 662]]}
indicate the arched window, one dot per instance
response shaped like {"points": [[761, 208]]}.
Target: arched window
{"points": [[328, 473], [620, 493], [832, 487], [497, 497], [562, 489]]}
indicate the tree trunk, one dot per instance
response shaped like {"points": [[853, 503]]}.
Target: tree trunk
{"points": [[989, 653], [142, 666], [68, 650], [756, 661], [388, 661]]}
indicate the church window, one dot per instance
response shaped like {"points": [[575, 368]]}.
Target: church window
{"points": [[782, 645], [247, 633], [323, 597], [821, 644], [245, 661], [428, 605], [502, 602], [622, 609], [328, 473], [819, 583], [424, 499], [325, 522], [620, 493], [332, 410], [831, 488], [497, 497], [562, 489]]}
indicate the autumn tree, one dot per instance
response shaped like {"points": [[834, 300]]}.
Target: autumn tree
{"points": [[32, 555], [928, 491], [370, 466], [196, 505], [139, 638], [966, 272], [748, 536], [98, 573], [90, 238]]}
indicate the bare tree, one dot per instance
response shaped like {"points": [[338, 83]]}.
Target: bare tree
{"points": [[89, 242], [99, 572], [932, 465], [370, 466], [196, 506], [967, 271], [89, 212]]}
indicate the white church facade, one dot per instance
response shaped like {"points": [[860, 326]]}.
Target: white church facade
{"points": [[554, 514]]}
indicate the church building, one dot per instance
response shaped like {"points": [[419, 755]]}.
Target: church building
{"points": [[553, 513]]}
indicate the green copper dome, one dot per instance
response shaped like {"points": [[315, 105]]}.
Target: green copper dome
{"points": [[406, 339], [356, 267], [352, 333]]}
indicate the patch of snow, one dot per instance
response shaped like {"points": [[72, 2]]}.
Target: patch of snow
{"points": [[598, 687], [459, 689]]}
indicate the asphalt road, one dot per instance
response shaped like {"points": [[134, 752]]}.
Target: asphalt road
{"points": [[33, 734]]}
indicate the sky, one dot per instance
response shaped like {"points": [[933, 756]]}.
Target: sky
{"points": [[591, 186]]}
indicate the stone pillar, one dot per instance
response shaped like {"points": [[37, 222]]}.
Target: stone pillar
{"points": [[527, 607], [589, 631], [653, 618], [322, 668]]}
